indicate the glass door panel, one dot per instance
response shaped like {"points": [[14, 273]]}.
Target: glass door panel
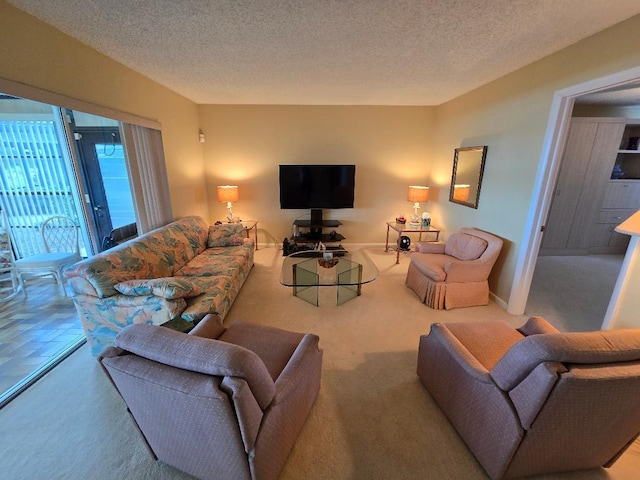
{"points": [[106, 180]]}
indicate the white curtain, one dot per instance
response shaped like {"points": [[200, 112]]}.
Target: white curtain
{"points": [[148, 175]]}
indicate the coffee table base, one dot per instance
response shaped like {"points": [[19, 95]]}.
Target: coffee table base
{"points": [[306, 287]]}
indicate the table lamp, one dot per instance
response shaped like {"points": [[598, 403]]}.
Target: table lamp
{"points": [[417, 195], [228, 194]]}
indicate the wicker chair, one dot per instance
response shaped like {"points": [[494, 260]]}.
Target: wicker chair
{"points": [[61, 244]]}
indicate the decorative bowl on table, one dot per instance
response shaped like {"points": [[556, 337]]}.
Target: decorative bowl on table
{"points": [[328, 263]]}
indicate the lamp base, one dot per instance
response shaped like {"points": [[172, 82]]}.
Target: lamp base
{"points": [[230, 216]]}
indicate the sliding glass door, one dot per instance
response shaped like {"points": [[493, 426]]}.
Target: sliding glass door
{"points": [[34, 180], [104, 173]]}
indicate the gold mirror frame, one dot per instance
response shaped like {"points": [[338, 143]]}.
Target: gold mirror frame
{"points": [[466, 178]]}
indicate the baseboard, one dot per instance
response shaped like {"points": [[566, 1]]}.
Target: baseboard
{"points": [[559, 252], [498, 301]]}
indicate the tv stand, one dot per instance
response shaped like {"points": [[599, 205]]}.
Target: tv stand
{"points": [[313, 229], [307, 234], [308, 249]]}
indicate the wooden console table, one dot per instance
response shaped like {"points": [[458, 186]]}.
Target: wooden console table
{"points": [[408, 228]]}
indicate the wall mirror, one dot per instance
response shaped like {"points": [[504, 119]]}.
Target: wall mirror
{"points": [[468, 166]]}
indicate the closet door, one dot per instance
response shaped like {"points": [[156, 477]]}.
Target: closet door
{"points": [[592, 145]]}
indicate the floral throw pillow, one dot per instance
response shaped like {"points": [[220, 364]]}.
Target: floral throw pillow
{"points": [[168, 287], [225, 235]]}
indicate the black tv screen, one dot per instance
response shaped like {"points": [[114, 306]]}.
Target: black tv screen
{"points": [[317, 186]]}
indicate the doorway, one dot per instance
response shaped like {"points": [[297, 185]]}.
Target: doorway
{"points": [[580, 256], [546, 179]]}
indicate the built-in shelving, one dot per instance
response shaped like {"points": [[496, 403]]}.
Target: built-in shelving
{"points": [[627, 164]]}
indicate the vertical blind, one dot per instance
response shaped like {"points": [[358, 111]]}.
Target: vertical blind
{"points": [[148, 174], [34, 184]]}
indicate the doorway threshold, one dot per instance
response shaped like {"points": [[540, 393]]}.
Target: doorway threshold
{"points": [[33, 377]]}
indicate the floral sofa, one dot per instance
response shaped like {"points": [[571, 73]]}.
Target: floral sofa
{"points": [[186, 269]]}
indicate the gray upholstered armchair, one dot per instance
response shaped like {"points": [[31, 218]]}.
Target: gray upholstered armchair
{"points": [[533, 400], [454, 274], [217, 403]]}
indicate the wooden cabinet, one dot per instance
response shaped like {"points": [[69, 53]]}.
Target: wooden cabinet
{"points": [[622, 194], [589, 158], [621, 200]]}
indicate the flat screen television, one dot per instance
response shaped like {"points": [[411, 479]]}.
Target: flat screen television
{"points": [[317, 186]]}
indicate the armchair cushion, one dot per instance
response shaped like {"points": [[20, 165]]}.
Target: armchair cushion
{"points": [[261, 340], [485, 341], [465, 247]]}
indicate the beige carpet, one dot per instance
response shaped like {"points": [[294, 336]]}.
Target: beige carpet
{"points": [[573, 292], [372, 419]]}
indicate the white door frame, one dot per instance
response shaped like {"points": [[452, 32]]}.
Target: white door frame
{"points": [[547, 176]]}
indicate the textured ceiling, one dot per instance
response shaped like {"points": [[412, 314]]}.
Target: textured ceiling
{"points": [[328, 52]]}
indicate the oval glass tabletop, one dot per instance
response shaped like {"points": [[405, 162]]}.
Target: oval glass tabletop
{"points": [[334, 267]]}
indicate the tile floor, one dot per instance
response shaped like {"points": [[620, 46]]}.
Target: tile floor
{"points": [[34, 331]]}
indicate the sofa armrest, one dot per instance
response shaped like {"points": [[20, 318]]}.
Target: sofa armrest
{"points": [[103, 318], [429, 247], [77, 285], [536, 326]]}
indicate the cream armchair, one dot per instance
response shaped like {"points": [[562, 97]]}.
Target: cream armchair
{"points": [[217, 403], [454, 274]]}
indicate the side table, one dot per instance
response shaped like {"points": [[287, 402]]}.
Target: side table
{"points": [[407, 228]]}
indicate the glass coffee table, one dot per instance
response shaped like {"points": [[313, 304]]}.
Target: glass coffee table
{"points": [[307, 271]]}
